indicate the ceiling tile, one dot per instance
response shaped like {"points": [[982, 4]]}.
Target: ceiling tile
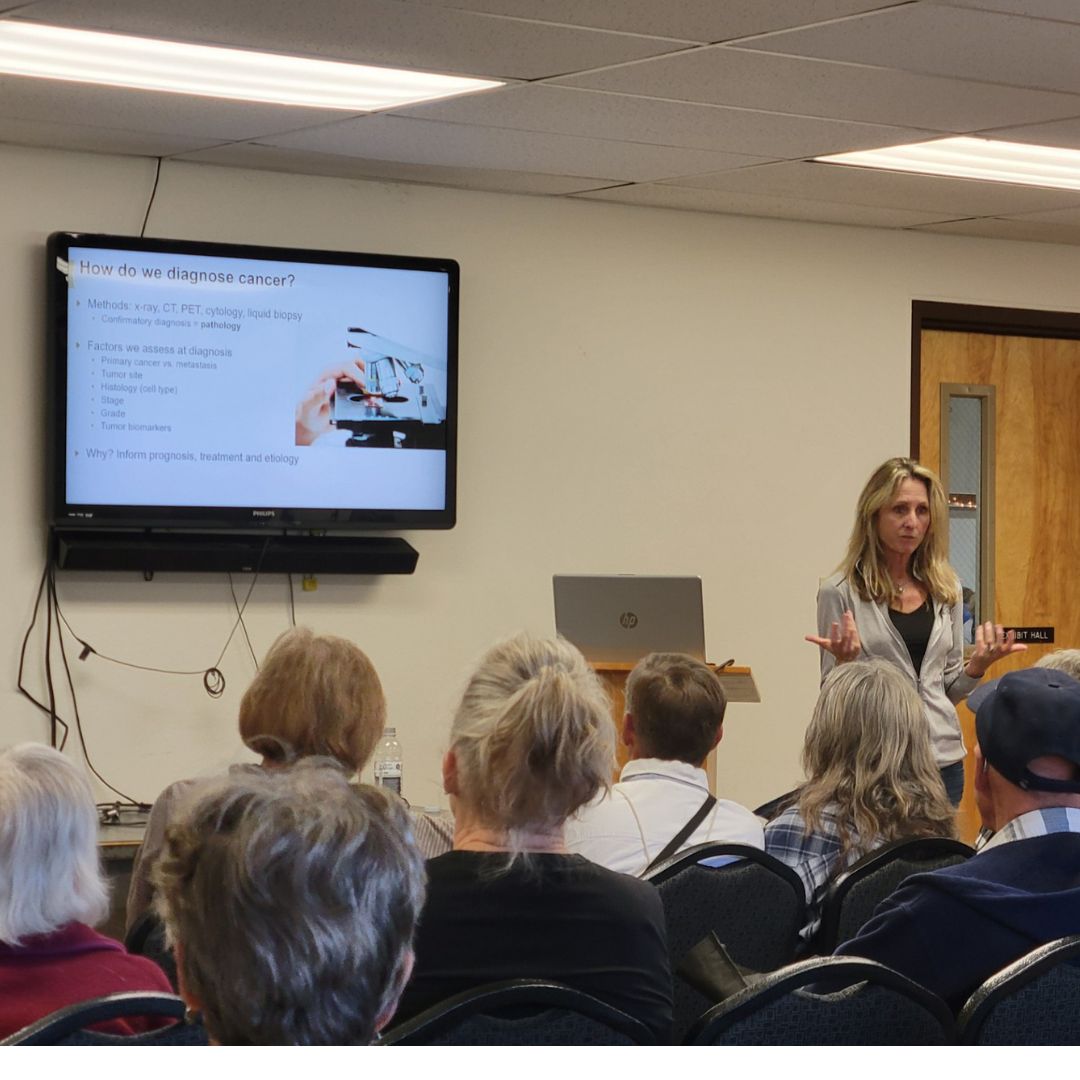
{"points": [[428, 142], [876, 187], [691, 20], [387, 32], [722, 75], [1064, 133], [277, 159], [958, 42], [1007, 229], [1064, 10], [724, 202], [1068, 216], [99, 140], [595, 114], [158, 114]]}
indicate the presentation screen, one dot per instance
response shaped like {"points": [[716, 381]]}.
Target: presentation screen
{"points": [[225, 386]]}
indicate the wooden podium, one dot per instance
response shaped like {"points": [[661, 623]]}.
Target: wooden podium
{"points": [[738, 684]]}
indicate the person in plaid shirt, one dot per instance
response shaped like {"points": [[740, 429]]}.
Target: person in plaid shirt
{"points": [[871, 779]]}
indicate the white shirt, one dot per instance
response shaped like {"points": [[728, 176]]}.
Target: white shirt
{"points": [[626, 829]]}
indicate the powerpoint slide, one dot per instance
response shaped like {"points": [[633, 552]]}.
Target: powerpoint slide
{"points": [[207, 381]]}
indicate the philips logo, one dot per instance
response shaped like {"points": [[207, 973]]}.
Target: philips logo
{"points": [[264, 513]]}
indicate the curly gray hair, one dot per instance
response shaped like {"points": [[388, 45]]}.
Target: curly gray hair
{"points": [[293, 896]]}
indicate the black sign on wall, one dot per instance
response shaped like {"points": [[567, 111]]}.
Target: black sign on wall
{"points": [[1033, 635]]}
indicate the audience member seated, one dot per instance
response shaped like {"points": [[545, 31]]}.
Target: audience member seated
{"points": [[52, 891], [1067, 660], [871, 779], [531, 742], [290, 897], [315, 694], [951, 929], [674, 719]]}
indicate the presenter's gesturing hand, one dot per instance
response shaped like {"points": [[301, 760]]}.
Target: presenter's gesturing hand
{"points": [[843, 640], [313, 409], [991, 645]]}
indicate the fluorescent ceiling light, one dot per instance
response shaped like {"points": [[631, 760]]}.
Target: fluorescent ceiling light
{"points": [[86, 56], [975, 159]]}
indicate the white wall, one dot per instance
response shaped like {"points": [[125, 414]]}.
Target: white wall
{"points": [[641, 391]]}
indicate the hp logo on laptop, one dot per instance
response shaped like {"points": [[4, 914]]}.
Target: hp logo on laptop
{"points": [[628, 620]]}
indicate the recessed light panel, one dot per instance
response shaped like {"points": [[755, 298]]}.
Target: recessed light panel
{"points": [[56, 52], [974, 159]]}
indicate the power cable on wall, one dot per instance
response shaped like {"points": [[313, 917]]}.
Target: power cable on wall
{"points": [[213, 678]]}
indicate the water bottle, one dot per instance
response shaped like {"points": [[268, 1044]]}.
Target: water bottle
{"points": [[388, 761]]}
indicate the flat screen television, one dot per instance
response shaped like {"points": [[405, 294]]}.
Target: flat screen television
{"points": [[224, 387]]}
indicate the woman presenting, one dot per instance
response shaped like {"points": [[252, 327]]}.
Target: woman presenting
{"points": [[895, 597]]}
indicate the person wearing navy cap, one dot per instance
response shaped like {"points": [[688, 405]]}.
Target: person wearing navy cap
{"points": [[951, 929]]}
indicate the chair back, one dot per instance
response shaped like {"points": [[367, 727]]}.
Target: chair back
{"points": [[853, 895], [776, 806], [520, 1012], [69, 1026], [1035, 1001], [756, 905], [828, 1001]]}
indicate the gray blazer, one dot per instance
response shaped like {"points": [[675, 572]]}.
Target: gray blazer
{"points": [[942, 683]]}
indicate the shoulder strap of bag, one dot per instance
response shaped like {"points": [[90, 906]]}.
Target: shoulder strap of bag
{"points": [[680, 837]]}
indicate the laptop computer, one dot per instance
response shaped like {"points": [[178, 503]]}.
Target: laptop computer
{"points": [[619, 618]]}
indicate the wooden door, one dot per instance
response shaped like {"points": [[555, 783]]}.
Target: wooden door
{"points": [[1034, 457]]}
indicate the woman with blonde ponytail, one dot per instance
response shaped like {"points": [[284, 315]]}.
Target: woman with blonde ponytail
{"points": [[531, 742]]}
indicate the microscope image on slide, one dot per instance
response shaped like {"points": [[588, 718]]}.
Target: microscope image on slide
{"points": [[393, 398]]}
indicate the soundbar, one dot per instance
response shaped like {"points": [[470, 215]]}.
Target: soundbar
{"points": [[153, 552]]}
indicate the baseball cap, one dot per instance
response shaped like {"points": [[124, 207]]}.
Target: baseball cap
{"points": [[1027, 714]]}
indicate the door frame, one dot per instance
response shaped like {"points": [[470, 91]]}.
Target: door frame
{"points": [[978, 319]]}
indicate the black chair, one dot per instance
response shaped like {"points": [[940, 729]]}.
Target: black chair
{"points": [[1035, 1001], [828, 1001], [147, 938], [67, 1026], [775, 807], [756, 905], [854, 894], [520, 1012]]}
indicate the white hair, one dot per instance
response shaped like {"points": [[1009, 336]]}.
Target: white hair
{"points": [[1067, 660], [49, 869]]}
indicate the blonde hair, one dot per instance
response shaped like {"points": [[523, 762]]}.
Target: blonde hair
{"points": [[1067, 660], [864, 563], [533, 736], [869, 761], [314, 694], [50, 874]]}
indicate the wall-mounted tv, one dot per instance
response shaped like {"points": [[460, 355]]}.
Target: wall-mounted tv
{"points": [[224, 387]]}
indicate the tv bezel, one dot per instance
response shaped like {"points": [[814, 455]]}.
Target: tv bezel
{"points": [[65, 515]]}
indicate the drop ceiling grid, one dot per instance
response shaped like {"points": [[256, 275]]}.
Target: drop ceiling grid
{"points": [[623, 100]]}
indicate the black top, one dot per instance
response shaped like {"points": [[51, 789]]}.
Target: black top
{"points": [[915, 627], [548, 917]]}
